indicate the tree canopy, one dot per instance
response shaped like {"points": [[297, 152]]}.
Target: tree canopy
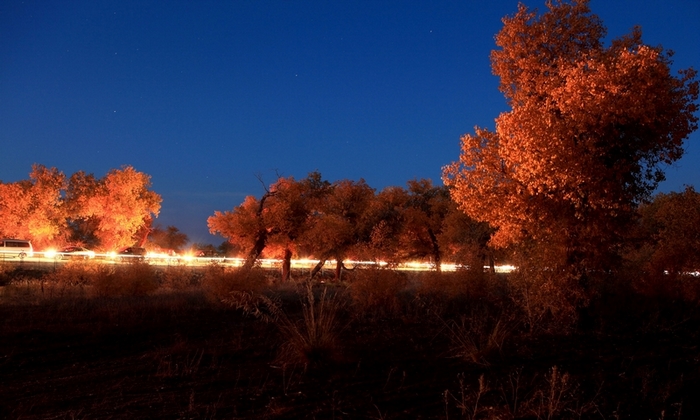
{"points": [[588, 134], [104, 213], [33, 208], [346, 220]]}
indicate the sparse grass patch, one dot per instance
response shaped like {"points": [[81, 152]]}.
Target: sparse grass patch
{"points": [[450, 285], [464, 354]]}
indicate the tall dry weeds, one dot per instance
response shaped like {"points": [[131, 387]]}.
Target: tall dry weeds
{"points": [[309, 341], [479, 337]]}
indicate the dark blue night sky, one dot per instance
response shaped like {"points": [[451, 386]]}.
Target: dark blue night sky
{"points": [[209, 96]]}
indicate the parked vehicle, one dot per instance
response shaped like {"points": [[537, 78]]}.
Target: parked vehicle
{"points": [[11, 248], [132, 253], [75, 252]]}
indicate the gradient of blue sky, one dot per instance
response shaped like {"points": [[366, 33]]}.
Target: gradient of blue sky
{"points": [[206, 95]]}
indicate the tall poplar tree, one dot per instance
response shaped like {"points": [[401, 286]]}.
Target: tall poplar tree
{"points": [[588, 134]]}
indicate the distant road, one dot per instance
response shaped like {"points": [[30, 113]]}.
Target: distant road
{"points": [[40, 261]]}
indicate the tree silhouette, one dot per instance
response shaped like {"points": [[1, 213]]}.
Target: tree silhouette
{"points": [[670, 233], [169, 238]]}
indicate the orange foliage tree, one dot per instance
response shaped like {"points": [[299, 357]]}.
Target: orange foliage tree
{"points": [[341, 223], [347, 220], [243, 227], [311, 216], [168, 239], [424, 213], [275, 222], [50, 210], [589, 130], [290, 213], [670, 233], [33, 209], [113, 208]]}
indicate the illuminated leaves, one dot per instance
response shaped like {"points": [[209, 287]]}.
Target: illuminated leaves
{"points": [[347, 220], [46, 206], [123, 204], [33, 208], [587, 134]]}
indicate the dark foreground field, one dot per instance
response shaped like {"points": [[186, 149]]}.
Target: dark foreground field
{"points": [[359, 352]]}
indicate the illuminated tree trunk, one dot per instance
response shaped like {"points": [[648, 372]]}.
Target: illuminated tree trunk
{"points": [[144, 231], [436, 250], [286, 264], [260, 237], [338, 269], [318, 266], [316, 269], [258, 247]]}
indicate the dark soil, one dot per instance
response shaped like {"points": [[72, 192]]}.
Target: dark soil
{"points": [[182, 356]]}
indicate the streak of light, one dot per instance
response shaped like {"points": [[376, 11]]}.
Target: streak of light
{"points": [[300, 263]]}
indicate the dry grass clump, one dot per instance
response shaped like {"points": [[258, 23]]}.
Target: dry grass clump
{"points": [[179, 277], [676, 287], [135, 279], [550, 395], [33, 286], [549, 300], [377, 291], [311, 341], [481, 335], [446, 295], [218, 281]]}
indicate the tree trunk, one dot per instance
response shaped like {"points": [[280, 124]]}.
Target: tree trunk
{"points": [[144, 231], [435, 251], [338, 269], [317, 268], [260, 239], [286, 264], [258, 248]]}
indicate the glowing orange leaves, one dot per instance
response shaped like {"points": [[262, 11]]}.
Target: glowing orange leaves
{"points": [[588, 129], [47, 208]]}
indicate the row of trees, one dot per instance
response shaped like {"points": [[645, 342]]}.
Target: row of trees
{"points": [[562, 181], [349, 220], [105, 213]]}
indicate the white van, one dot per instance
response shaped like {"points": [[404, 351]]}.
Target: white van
{"points": [[16, 248]]}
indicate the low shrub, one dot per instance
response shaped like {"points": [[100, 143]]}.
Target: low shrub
{"points": [[179, 277], [377, 292], [549, 300], [218, 282], [135, 279]]}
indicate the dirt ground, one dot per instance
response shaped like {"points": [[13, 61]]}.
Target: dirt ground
{"points": [[182, 356]]}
